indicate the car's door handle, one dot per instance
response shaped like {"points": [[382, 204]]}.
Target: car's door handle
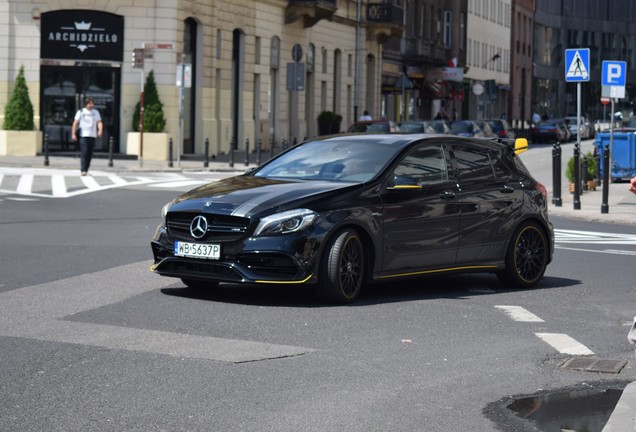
{"points": [[446, 195], [506, 189]]}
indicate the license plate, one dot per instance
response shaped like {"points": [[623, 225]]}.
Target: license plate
{"points": [[197, 250]]}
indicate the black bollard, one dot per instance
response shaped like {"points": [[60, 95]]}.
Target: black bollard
{"points": [[606, 176], [247, 152], [46, 150], [271, 147], [232, 152], [556, 154], [295, 142], [259, 143], [170, 164], [206, 162], [577, 177], [111, 146], [597, 159]]}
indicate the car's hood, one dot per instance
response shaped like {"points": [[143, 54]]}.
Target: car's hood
{"points": [[247, 195]]}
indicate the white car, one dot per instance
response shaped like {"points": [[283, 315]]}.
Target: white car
{"points": [[586, 128]]}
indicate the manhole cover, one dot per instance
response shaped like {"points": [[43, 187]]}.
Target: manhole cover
{"points": [[589, 364]]}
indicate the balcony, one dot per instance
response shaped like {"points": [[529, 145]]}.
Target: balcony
{"points": [[384, 20], [423, 50], [311, 11]]}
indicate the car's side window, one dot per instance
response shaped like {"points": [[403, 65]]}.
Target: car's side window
{"points": [[424, 165], [472, 163]]}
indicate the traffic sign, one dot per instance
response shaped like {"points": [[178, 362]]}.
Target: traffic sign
{"points": [[614, 73], [577, 64]]}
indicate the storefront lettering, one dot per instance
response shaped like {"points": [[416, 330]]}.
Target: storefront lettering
{"points": [[82, 37]]}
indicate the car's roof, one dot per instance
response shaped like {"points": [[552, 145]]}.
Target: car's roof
{"points": [[403, 139]]}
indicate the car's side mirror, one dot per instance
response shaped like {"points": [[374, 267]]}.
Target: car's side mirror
{"points": [[405, 182]]}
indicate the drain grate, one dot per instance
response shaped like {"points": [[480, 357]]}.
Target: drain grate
{"points": [[590, 364]]}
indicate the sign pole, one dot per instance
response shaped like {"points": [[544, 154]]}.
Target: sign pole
{"points": [[577, 151]]}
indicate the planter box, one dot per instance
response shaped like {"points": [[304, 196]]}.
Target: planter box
{"points": [[155, 145], [20, 143]]}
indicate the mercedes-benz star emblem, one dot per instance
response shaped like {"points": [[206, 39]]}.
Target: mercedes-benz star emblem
{"points": [[198, 227]]}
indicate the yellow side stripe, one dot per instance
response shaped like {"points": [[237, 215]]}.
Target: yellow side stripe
{"points": [[285, 282], [439, 271]]}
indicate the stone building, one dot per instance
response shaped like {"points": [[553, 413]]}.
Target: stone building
{"points": [[251, 70]]}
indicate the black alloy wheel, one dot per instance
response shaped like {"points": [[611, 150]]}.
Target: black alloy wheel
{"points": [[527, 257], [342, 268]]}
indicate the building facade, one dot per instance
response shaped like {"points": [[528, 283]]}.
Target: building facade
{"points": [[489, 58], [606, 28], [254, 70]]}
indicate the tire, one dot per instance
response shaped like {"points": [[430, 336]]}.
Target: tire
{"points": [[198, 284], [341, 272], [526, 258]]}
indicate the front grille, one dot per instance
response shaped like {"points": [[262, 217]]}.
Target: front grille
{"points": [[269, 265], [221, 228]]}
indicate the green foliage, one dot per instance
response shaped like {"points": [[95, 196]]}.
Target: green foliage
{"points": [[329, 122], [154, 119], [18, 113], [591, 167]]}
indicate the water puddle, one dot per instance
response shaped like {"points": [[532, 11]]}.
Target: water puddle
{"points": [[581, 410]]}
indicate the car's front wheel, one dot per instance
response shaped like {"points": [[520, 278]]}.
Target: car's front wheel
{"points": [[341, 272], [198, 284], [526, 258]]}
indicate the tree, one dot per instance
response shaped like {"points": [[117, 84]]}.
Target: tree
{"points": [[154, 119], [18, 113]]}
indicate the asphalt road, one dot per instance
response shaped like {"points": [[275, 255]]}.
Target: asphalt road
{"points": [[92, 341]]}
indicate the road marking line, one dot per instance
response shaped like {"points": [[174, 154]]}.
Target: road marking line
{"points": [[58, 185], [177, 184], [90, 182], [605, 251], [25, 185], [564, 344], [520, 314], [118, 180], [40, 312]]}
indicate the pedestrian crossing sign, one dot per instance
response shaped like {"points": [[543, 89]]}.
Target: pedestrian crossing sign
{"points": [[577, 65]]}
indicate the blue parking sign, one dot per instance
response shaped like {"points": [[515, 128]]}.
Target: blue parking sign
{"points": [[614, 73], [577, 65]]}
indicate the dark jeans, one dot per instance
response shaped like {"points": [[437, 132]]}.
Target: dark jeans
{"points": [[87, 144]]}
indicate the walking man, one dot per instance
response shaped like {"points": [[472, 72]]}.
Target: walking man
{"points": [[90, 125]]}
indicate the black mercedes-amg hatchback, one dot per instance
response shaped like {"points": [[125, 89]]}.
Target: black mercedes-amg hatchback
{"points": [[343, 211]]}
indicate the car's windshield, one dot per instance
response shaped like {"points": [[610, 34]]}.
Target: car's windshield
{"points": [[412, 127], [334, 160], [462, 127]]}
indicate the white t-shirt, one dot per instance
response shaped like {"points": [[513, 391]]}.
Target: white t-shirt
{"points": [[88, 120]]}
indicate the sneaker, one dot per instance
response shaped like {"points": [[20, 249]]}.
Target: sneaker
{"points": [[84, 173]]}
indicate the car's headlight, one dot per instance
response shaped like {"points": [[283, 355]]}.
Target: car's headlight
{"points": [[285, 222]]}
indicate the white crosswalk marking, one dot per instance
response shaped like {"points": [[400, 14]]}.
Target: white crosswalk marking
{"points": [[564, 344], [520, 314], [57, 183], [591, 237]]}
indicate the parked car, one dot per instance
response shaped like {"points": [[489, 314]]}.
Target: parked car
{"points": [[501, 128], [467, 128], [426, 126], [486, 129], [342, 211], [374, 126], [586, 129], [551, 130]]}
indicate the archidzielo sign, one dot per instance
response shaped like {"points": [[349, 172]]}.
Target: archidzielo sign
{"points": [[82, 35]]}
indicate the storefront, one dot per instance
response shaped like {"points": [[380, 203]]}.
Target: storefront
{"points": [[81, 53]]}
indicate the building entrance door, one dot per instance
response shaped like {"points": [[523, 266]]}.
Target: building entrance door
{"points": [[63, 91]]}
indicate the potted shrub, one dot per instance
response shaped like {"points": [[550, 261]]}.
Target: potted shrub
{"points": [[329, 123], [155, 141], [591, 171], [18, 137]]}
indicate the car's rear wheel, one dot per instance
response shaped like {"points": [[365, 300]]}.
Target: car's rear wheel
{"points": [[341, 272], [526, 258], [198, 284]]}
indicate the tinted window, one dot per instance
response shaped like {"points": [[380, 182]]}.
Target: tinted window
{"points": [[427, 165], [473, 164]]}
